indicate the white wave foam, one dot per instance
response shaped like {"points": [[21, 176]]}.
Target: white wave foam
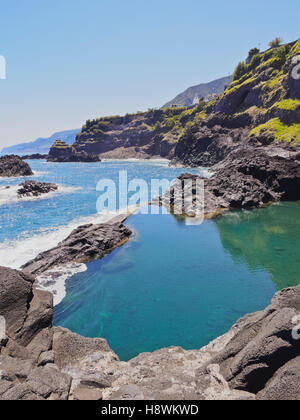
{"points": [[10, 195], [15, 253], [39, 173], [54, 280]]}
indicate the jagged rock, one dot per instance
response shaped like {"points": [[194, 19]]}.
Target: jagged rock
{"points": [[262, 343], [95, 380], [86, 243], [14, 166], [15, 368], [21, 392], [50, 383], [46, 357], [201, 145], [257, 359], [63, 152], [5, 385], [251, 368], [16, 294], [28, 315], [70, 348], [247, 178], [35, 189], [285, 384]]}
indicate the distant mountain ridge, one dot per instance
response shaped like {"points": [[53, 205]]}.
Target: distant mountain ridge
{"points": [[192, 95], [41, 145]]}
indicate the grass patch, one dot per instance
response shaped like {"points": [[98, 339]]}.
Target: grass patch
{"points": [[61, 144], [288, 104], [282, 132]]}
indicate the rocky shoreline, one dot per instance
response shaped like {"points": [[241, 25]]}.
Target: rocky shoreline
{"points": [[247, 178], [258, 359], [250, 138]]}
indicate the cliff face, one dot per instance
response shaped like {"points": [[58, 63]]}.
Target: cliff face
{"points": [[261, 106], [62, 152], [143, 135]]}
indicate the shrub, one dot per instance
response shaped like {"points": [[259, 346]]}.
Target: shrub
{"points": [[281, 53], [275, 43], [253, 52], [240, 71], [255, 61]]}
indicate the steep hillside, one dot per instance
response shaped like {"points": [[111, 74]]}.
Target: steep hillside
{"points": [[142, 135], [192, 95], [41, 145], [260, 107]]}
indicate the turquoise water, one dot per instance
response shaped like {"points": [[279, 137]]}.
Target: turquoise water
{"points": [[171, 284], [174, 284]]}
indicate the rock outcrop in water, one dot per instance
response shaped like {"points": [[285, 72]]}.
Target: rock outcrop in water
{"points": [[257, 359], [247, 178], [35, 189], [62, 152], [35, 156], [14, 166], [86, 243]]}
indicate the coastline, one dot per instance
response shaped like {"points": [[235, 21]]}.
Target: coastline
{"points": [[54, 279]]}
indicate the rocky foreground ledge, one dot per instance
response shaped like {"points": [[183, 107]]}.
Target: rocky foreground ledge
{"points": [[246, 178], [14, 166], [259, 358]]}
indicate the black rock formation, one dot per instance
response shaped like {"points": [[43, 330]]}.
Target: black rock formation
{"points": [[14, 166], [35, 189]]}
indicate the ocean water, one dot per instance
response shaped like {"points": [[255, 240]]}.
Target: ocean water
{"points": [[30, 226], [171, 284]]}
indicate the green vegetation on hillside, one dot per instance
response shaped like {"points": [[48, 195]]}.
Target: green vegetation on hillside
{"points": [[160, 121], [282, 132], [61, 144], [259, 94]]}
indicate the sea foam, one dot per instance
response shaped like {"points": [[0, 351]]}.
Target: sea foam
{"points": [[10, 195], [15, 253]]}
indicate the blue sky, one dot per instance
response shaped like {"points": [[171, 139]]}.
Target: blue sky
{"points": [[71, 60]]}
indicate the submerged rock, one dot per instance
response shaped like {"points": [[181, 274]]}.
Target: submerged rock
{"points": [[14, 166], [35, 189]]}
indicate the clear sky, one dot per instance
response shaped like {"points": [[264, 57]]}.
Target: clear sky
{"points": [[71, 60]]}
